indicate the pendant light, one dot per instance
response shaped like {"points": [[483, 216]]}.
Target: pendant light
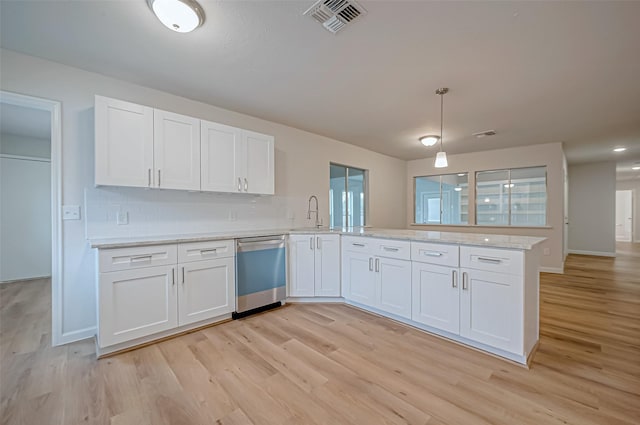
{"points": [[178, 15], [441, 157]]}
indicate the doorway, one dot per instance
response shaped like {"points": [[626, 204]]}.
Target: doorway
{"points": [[30, 187], [624, 215]]}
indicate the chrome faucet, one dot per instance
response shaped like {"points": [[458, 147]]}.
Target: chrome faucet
{"points": [[309, 211]]}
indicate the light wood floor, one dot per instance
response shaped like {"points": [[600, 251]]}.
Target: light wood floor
{"points": [[324, 364]]}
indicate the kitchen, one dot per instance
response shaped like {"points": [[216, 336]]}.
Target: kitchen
{"points": [[302, 168]]}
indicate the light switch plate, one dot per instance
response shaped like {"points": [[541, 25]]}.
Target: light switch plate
{"points": [[122, 217], [71, 212]]}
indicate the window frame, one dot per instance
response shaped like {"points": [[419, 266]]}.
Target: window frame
{"points": [[365, 191], [509, 204], [441, 212]]}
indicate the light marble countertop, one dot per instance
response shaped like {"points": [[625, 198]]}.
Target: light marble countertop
{"points": [[475, 239]]}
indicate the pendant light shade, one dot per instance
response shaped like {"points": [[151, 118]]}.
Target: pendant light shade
{"points": [[441, 160], [178, 15], [441, 157]]}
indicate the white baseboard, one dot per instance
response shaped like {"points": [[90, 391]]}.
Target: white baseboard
{"points": [[328, 300], [78, 335], [596, 253], [557, 270]]}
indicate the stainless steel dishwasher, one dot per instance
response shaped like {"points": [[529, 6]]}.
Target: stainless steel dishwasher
{"points": [[260, 274]]}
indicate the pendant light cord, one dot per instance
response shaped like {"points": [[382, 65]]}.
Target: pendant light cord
{"points": [[441, 117]]}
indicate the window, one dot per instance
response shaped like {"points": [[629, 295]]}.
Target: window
{"points": [[347, 196], [442, 199], [515, 197]]}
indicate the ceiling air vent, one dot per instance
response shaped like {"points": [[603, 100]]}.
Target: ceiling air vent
{"points": [[482, 134], [335, 14]]}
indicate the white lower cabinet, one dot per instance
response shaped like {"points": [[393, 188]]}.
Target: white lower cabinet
{"points": [[375, 281], [491, 309], [314, 265], [207, 290], [436, 296], [136, 303], [151, 290]]}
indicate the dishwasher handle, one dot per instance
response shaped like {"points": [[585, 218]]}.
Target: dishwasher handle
{"points": [[260, 243]]}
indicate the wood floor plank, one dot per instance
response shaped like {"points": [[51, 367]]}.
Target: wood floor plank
{"points": [[322, 364]]}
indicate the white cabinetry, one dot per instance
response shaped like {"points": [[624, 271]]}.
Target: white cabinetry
{"points": [[123, 144], [314, 265], [176, 151], [140, 146], [376, 273], [152, 291]]}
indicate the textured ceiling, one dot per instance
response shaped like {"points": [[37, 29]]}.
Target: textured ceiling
{"points": [[536, 72]]}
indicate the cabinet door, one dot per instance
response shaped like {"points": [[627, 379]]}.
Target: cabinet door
{"points": [[301, 265], [123, 143], [327, 266], [393, 284], [136, 303], [358, 278], [435, 294], [206, 290], [221, 159], [260, 175], [176, 151], [491, 309]]}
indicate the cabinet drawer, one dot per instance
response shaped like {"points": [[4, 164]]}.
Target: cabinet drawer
{"points": [[137, 257], [434, 253], [356, 244], [197, 251], [494, 260], [392, 249]]}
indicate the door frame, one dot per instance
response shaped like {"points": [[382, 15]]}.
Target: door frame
{"points": [[632, 214], [55, 109]]}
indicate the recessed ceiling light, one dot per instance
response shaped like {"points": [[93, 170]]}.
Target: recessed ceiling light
{"points": [[620, 149], [487, 200], [178, 15], [636, 167], [429, 140], [461, 174], [457, 189]]}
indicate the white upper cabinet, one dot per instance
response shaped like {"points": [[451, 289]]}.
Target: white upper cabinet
{"points": [[259, 152], [176, 151], [139, 146], [220, 163], [123, 144]]}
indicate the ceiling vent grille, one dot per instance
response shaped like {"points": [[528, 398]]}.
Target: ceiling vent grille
{"points": [[482, 134], [335, 14]]}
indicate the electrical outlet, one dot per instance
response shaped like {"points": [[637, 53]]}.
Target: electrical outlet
{"points": [[71, 212], [545, 251], [122, 217]]}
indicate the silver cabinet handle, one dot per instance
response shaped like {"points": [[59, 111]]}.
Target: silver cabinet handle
{"points": [[173, 276], [311, 243], [246, 184], [318, 242], [489, 260], [149, 177], [183, 275], [388, 248], [361, 245], [370, 264], [454, 279], [432, 253], [239, 184], [158, 177], [377, 264], [465, 281], [140, 258], [208, 251]]}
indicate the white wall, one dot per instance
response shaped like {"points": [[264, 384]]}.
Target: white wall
{"points": [[302, 169], [592, 199], [634, 186], [11, 144], [550, 155], [25, 218]]}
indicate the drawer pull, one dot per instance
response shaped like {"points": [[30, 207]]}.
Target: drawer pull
{"points": [[209, 251], [489, 260], [391, 249], [361, 245], [140, 258], [432, 253]]}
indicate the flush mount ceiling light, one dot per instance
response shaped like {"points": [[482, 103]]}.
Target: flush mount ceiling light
{"points": [[441, 157], [636, 166], [620, 149], [429, 140], [178, 15]]}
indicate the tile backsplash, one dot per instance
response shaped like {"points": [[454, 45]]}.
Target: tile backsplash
{"points": [[167, 212]]}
